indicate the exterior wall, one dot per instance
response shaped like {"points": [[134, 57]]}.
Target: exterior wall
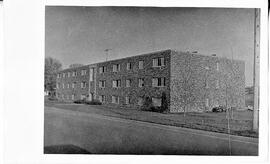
{"points": [[134, 91], [77, 90], [194, 82]]}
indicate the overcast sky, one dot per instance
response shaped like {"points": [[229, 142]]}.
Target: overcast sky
{"points": [[81, 34]]}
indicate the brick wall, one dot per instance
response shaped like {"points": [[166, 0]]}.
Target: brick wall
{"points": [[198, 83], [134, 91]]}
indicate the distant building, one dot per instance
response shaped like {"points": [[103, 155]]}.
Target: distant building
{"points": [[191, 82]]}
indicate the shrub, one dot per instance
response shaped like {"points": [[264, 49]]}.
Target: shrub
{"points": [[79, 101], [147, 104], [164, 103], [52, 98], [93, 102]]}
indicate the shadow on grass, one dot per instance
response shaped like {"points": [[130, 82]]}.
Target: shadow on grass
{"points": [[64, 149]]}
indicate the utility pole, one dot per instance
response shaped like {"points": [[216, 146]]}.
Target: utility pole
{"points": [[107, 52], [256, 73]]}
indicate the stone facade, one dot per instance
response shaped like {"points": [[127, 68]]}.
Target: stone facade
{"points": [[191, 82]]}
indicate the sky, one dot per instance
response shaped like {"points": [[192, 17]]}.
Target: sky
{"points": [[81, 34]]}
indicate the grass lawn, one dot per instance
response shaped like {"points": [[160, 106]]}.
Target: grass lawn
{"points": [[240, 124]]}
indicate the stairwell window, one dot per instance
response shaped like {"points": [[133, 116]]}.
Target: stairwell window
{"points": [[141, 82], [158, 82], [140, 64], [158, 62]]}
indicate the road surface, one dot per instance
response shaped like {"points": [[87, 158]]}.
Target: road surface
{"points": [[100, 134]]}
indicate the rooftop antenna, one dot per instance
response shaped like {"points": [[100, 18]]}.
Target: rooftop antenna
{"points": [[107, 52]]}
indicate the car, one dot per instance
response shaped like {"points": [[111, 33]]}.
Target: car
{"points": [[219, 109]]}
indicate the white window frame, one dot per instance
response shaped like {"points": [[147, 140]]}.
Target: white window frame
{"points": [[159, 82], [73, 85], [116, 67], [159, 62], [129, 67], [67, 85], [63, 85], [102, 83], [115, 99], [127, 100], [141, 82], [102, 69], [83, 72], [116, 83], [83, 84], [68, 74], [128, 83], [207, 102], [141, 64]]}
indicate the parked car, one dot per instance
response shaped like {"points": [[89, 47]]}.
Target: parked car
{"points": [[219, 109]]}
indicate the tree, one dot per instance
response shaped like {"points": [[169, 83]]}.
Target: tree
{"points": [[75, 65], [52, 66]]}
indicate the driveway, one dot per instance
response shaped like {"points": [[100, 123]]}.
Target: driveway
{"points": [[100, 134]]}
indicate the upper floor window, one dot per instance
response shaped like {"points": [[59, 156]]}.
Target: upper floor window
{"points": [[67, 85], [64, 74], [83, 72], [57, 85], [158, 82], [102, 83], [206, 84], [73, 85], [129, 66], [74, 73], [158, 62], [101, 69], [217, 65], [141, 82], [58, 75], [128, 81], [116, 67], [83, 84], [91, 74], [68, 74], [140, 64], [116, 83], [63, 85]]}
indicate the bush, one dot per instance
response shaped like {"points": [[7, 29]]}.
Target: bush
{"points": [[93, 102], [52, 98], [147, 104]]}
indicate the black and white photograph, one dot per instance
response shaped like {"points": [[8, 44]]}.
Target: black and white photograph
{"points": [[124, 81], [151, 80]]}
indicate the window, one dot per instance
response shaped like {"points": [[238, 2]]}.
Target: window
{"points": [[156, 101], [207, 102], [102, 98], [83, 84], [128, 66], [64, 74], [102, 84], [141, 82], [140, 64], [127, 100], [67, 85], [73, 97], [140, 101], [91, 74], [158, 62], [63, 96], [128, 81], [83, 72], [217, 66], [68, 74], [101, 69], [63, 85], [73, 85], [158, 82], [116, 67], [74, 73], [115, 99], [83, 97], [217, 83], [206, 84], [116, 83], [57, 85], [67, 97], [58, 75]]}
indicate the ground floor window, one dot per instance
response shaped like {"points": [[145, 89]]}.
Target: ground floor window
{"points": [[73, 97], [127, 100], [83, 97], [207, 102], [140, 101], [115, 99], [156, 101], [102, 98]]}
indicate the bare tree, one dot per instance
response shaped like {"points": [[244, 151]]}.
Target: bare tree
{"points": [[52, 66], [75, 65]]}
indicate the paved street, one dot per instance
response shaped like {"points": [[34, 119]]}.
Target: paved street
{"points": [[109, 135]]}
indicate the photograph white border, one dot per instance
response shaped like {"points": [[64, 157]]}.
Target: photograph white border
{"points": [[24, 48]]}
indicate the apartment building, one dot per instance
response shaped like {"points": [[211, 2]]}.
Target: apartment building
{"points": [[190, 81]]}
